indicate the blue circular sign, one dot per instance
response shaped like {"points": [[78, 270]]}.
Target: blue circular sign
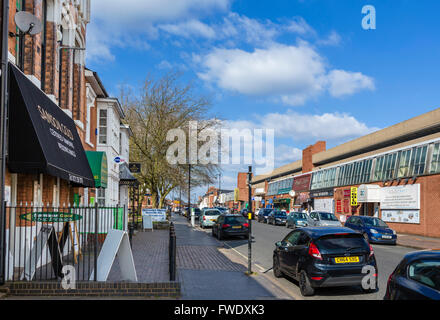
{"points": [[117, 159]]}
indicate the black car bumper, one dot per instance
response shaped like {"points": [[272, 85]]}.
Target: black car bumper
{"points": [[235, 233], [339, 276]]}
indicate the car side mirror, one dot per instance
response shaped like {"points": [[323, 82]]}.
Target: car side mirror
{"points": [[278, 244]]}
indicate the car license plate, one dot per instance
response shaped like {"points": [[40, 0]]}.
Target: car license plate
{"points": [[236, 227], [347, 259], [386, 237]]}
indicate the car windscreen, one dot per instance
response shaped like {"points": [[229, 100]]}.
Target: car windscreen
{"points": [[267, 211], [212, 213], [235, 220], [375, 222], [327, 216], [342, 242], [302, 216]]}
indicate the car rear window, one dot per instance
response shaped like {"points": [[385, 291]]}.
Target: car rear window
{"points": [[341, 241], [327, 216], [212, 213], [300, 216], [235, 220], [280, 214]]}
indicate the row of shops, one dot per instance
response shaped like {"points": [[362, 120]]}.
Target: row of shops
{"points": [[393, 174]]}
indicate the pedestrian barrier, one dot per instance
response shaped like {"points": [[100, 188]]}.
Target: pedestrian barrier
{"points": [[42, 240]]}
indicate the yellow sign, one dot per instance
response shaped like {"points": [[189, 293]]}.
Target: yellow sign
{"points": [[354, 198], [236, 194], [250, 216]]}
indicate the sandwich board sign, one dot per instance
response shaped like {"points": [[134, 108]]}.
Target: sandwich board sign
{"points": [[46, 237], [116, 244]]}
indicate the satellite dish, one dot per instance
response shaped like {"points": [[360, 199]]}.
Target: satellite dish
{"points": [[28, 23]]}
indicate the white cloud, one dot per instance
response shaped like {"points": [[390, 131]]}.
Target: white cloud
{"points": [[294, 74], [135, 14], [189, 29], [305, 127], [333, 39], [344, 83], [299, 25], [131, 23]]}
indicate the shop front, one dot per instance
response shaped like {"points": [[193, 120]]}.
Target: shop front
{"points": [[322, 200], [301, 193]]}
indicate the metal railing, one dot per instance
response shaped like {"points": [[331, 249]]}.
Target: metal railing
{"points": [[41, 240]]}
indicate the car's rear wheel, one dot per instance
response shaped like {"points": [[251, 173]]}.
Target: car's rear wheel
{"points": [[219, 235], [304, 285], [276, 267]]}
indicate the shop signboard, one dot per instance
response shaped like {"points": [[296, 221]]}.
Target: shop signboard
{"points": [[155, 214], [401, 216], [321, 193], [302, 183], [326, 205], [400, 197], [354, 201], [338, 206]]}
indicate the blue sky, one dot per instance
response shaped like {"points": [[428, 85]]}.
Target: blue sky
{"points": [[305, 68]]}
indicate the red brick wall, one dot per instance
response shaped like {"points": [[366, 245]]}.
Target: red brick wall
{"points": [[307, 163]]}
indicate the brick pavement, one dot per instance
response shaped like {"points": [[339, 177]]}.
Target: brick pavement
{"points": [[206, 273], [150, 255]]}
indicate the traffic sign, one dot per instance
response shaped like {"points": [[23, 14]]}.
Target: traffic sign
{"points": [[354, 200]]}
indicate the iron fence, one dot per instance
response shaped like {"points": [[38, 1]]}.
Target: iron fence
{"points": [[41, 240]]}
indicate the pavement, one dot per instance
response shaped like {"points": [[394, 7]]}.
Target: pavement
{"points": [[418, 242], [209, 271]]}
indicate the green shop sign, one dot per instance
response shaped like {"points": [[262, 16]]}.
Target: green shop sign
{"points": [[98, 164], [50, 217]]}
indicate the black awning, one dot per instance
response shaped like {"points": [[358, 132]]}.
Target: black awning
{"points": [[42, 137]]}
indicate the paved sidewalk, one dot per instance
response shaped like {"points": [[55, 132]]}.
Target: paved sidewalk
{"points": [[418, 242], [150, 255], [206, 272]]}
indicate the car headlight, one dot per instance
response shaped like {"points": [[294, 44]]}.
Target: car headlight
{"points": [[373, 231]]}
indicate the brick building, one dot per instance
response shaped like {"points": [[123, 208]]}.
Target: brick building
{"points": [[394, 174]]}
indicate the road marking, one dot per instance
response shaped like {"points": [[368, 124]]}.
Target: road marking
{"points": [[261, 268]]}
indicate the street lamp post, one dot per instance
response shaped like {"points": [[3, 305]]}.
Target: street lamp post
{"points": [[250, 221]]}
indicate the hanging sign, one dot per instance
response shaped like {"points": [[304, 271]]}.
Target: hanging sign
{"points": [[354, 200]]}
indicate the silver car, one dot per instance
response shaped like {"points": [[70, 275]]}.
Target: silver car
{"points": [[323, 219], [208, 217]]}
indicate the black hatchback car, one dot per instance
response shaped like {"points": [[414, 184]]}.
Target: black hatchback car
{"points": [[228, 225], [325, 257], [263, 213], [277, 217], [417, 277]]}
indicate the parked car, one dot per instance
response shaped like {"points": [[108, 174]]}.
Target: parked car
{"points": [[323, 219], [277, 217], [372, 228], [208, 217], [324, 257], [228, 225], [197, 213], [417, 277], [262, 215], [296, 220], [223, 210]]}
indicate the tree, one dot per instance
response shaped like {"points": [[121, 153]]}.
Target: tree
{"points": [[162, 105]]}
